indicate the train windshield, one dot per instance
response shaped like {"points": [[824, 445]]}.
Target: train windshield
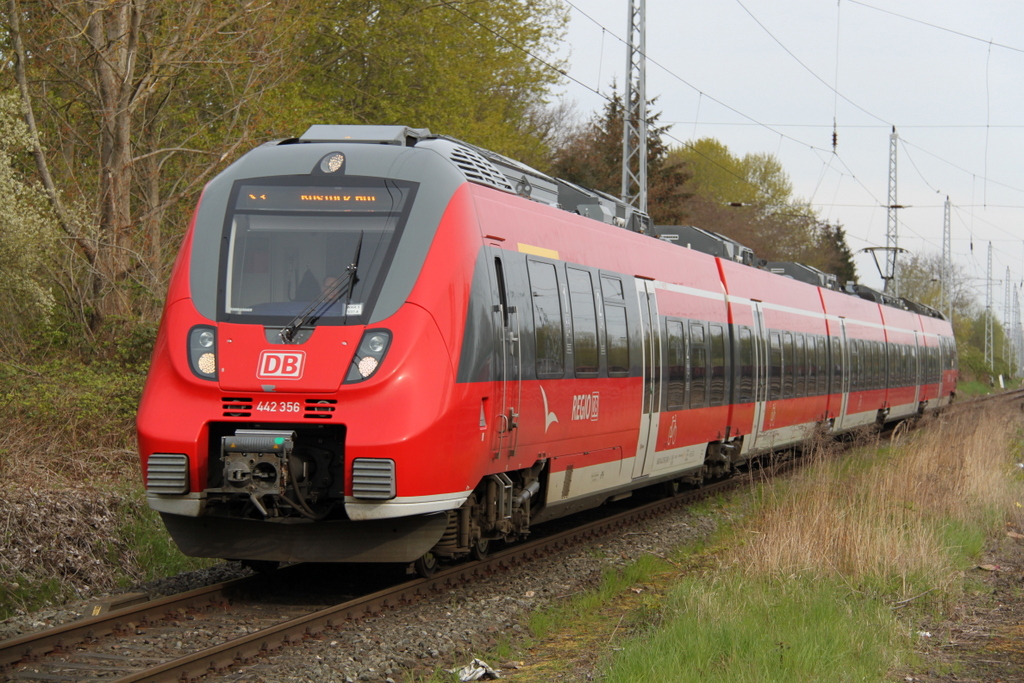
{"points": [[288, 241]]}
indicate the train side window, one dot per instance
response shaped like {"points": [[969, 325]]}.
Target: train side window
{"points": [[617, 340], [876, 374], [882, 371], [822, 366], [891, 367], [800, 366], [881, 365], [775, 378], [789, 371], [698, 366], [812, 365], [547, 320], [745, 372], [718, 383], [868, 366], [584, 322], [900, 365], [854, 365], [836, 356], [611, 288], [676, 349]]}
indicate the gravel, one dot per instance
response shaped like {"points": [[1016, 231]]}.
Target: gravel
{"points": [[446, 630]]}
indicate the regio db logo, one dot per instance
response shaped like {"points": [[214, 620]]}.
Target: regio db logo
{"points": [[584, 406]]}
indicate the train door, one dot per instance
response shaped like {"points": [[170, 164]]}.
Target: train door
{"points": [[509, 368], [650, 410], [760, 371]]}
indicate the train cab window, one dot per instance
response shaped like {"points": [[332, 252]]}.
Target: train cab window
{"points": [[698, 366], [822, 367], [289, 241], [789, 372], [718, 384], [775, 376], [584, 322], [745, 371], [675, 347], [547, 320], [800, 366]]}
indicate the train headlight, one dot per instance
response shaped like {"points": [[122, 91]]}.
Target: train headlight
{"points": [[376, 343], [202, 351], [371, 351]]}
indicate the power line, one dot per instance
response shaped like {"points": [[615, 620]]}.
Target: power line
{"points": [[807, 68], [936, 26]]}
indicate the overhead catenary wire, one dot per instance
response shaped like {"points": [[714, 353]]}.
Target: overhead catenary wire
{"points": [[753, 121]]}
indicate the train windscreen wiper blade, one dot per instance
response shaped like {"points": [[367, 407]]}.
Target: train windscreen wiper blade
{"points": [[330, 296]]}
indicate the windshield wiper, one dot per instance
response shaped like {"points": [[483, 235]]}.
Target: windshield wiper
{"points": [[330, 296]]}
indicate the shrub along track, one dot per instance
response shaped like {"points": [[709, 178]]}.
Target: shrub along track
{"points": [[233, 624]]}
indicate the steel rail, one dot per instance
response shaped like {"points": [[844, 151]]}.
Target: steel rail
{"points": [[60, 638], [244, 649]]}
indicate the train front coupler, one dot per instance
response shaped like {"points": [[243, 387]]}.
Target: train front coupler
{"points": [[264, 465]]}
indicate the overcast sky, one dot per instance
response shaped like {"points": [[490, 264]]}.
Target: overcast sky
{"points": [[772, 75]]}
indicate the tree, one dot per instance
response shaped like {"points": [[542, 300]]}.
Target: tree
{"points": [[132, 105], [751, 200], [27, 231], [115, 93], [461, 68], [593, 159]]}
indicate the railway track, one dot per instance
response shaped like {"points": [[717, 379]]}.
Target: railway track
{"points": [[138, 642], [153, 641]]}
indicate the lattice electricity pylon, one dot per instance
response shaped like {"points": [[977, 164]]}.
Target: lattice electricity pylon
{"points": [[989, 351], [892, 238], [634, 123], [947, 262]]}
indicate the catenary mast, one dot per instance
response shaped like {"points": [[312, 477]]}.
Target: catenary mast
{"points": [[634, 124]]}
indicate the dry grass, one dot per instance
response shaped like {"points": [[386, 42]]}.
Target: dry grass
{"points": [[895, 515]]}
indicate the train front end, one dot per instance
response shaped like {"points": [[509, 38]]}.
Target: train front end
{"points": [[300, 386]]}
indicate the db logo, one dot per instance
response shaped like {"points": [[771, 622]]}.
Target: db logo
{"points": [[281, 365]]}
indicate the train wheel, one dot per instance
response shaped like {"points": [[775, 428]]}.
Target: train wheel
{"points": [[480, 550], [426, 565]]}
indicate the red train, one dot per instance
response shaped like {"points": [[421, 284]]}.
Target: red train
{"points": [[383, 345]]}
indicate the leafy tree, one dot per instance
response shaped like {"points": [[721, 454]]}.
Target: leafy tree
{"points": [[459, 67], [751, 200], [118, 92], [132, 105], [27, 231]]}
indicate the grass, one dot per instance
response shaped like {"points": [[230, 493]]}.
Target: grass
{"points": [[822, 576], [757, 629]]}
